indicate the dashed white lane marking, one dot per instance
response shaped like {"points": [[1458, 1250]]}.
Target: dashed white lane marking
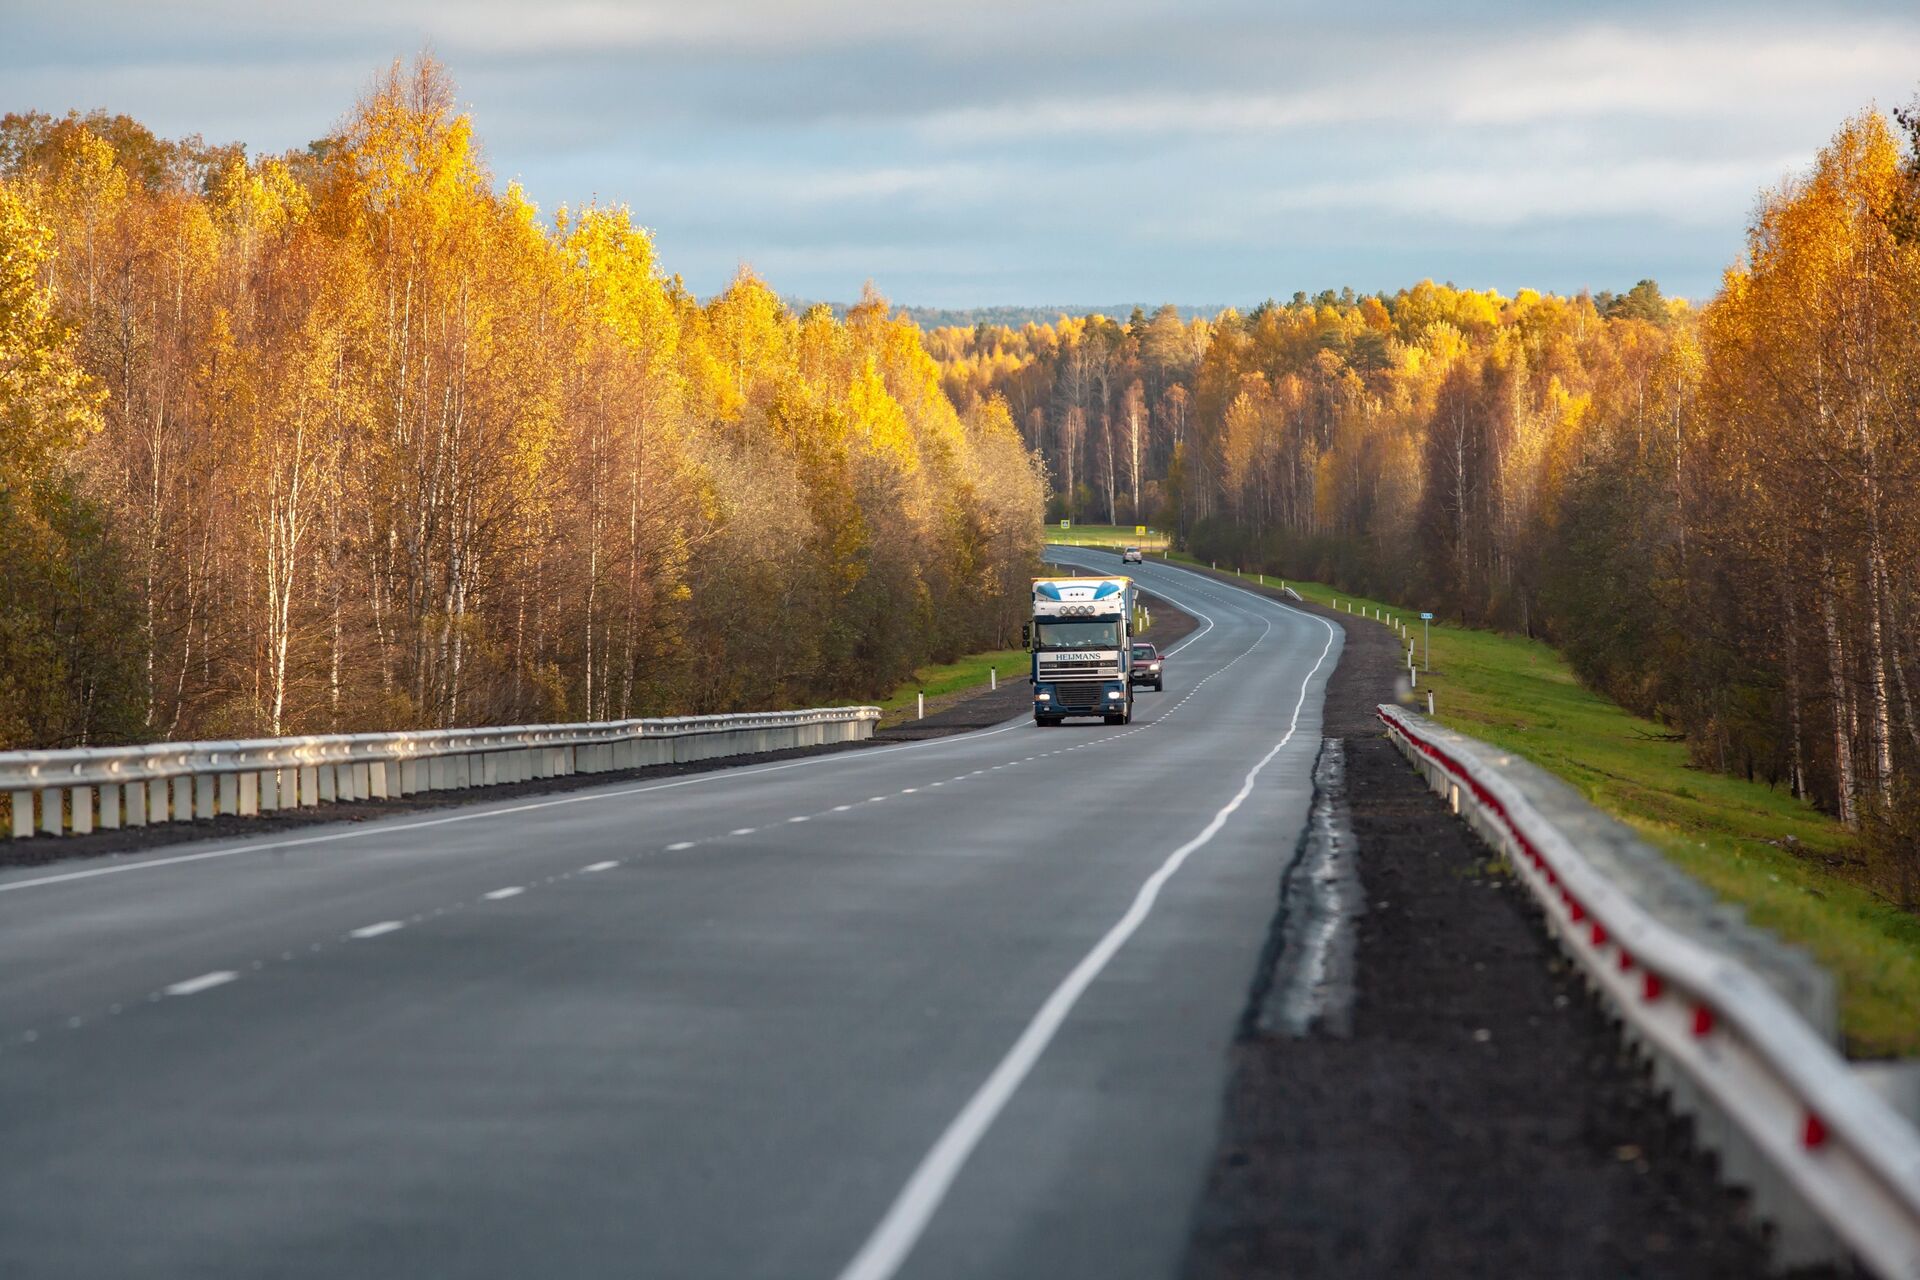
{"points": [[206, 981], [361, 833], [801, 817], [678, 845], [743, 831], [875, 799], [907, 1217]]}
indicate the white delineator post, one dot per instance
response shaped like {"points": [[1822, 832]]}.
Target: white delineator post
{"points": [[920, 701]]}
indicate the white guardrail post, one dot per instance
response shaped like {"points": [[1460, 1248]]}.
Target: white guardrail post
{"points": [[1738, 1028], [77, 791]]}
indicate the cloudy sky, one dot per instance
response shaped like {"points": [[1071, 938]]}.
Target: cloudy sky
{"points": [[1030, 152]]}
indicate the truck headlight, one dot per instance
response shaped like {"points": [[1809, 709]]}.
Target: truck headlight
{"points": [[1113, 693], [1043, 696]]}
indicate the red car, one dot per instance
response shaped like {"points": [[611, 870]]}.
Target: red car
{"points": [[1147, 666]]}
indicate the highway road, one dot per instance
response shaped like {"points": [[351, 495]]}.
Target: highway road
{"points": [[955, 1008]]}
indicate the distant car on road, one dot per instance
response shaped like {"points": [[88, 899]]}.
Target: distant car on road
{"points": [[1147, 664], [1130, 556]]}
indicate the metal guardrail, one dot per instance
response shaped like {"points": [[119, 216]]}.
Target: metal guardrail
{"points": [[1830, 1164], [76, 791]]}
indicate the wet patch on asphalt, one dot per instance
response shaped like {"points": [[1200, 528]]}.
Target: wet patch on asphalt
{"points": [[1309, 982]]}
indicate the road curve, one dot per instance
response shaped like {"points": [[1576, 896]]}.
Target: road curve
{"points": [[955, 1008]]}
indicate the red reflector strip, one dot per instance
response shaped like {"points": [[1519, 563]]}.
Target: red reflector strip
{"points": [[1650, 987], [1815, 1132], [1702, 1020]]}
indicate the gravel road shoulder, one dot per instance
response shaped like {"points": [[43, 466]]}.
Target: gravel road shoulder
{"points": [[1481, 1117]]}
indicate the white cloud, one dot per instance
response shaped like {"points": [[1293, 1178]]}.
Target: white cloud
{"points": [[1599, 71], [1660, 191]]}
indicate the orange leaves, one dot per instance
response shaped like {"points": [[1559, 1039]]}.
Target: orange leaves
{"points": [[386, 446]]}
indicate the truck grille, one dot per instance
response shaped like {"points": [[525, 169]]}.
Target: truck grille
{"points": [[1080, 695], [1079, 670]]}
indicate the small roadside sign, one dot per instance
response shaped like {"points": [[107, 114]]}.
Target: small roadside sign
{"points": [[1426, 617], [1139, 529], [1066, 524]]}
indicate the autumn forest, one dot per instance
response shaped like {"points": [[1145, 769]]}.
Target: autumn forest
{"points": [[1711, 508], [350, 439]]}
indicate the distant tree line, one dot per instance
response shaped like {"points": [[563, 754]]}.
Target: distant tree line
{"points": [[1714, 511], [348, 439]]}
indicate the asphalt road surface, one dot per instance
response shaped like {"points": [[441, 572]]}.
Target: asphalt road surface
{"points": [[955, 1008]]}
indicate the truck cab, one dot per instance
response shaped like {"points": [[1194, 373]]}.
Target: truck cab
{"points": [[1081, 641]]}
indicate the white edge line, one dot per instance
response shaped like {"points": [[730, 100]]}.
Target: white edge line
{"points": [[193, 986], [893, 1239]]}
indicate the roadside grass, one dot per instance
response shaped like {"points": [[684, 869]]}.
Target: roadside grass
{"points": [[1107, 535], [1793, 869], [966, 674], [943, 681]]}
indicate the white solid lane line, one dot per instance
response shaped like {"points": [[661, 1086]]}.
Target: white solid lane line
{"points": [[600, 866], [913, 1208], [375, 930], [193, 986], [511, 891]]}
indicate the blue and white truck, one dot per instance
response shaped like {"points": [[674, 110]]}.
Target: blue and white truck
{"points": [[1081, 639]]}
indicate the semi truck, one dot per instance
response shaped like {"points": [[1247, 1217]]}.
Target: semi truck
{"points": [[1081, 641]]}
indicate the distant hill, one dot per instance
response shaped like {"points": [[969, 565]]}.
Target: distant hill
{"points": [[1012, 317]]}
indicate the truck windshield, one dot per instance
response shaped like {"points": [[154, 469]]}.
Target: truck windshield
{"points": [[1050, 634]]}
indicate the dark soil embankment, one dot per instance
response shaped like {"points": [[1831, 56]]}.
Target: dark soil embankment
{"points": [[1482, 1118]]}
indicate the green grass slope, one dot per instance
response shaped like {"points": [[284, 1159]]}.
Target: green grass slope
{"points": [[1791, 867]]}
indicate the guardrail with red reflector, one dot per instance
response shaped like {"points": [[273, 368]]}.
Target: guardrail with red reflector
{"points": [[1830, 1163]]}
